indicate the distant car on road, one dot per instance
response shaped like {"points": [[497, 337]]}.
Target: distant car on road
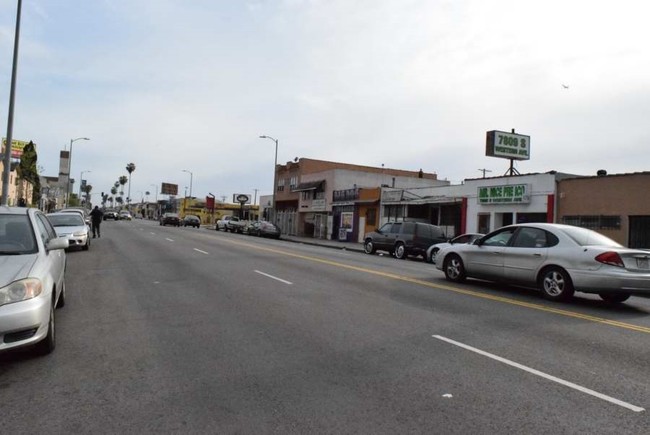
{"points": [[32, 279], [72, 227], [170, 219], [557, 259], [463, 238], [191, 221], [110, 214], [125, 215]]}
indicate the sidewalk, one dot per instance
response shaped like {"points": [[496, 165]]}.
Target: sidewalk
{"points": [[335, 244], [349, 246]]}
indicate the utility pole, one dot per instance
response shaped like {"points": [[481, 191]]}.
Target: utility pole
{"points": [[484, 171]]}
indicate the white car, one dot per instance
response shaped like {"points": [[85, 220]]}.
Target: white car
{"points": [[462, 239], [557, 259], [72, 227], [32, 279], [125, 215]]}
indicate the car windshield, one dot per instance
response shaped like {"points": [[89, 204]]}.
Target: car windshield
{"points": [[66, 220], [585, 237], [16, 235]]}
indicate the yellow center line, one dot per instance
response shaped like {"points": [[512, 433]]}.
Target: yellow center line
{"points": [[502, 299]]}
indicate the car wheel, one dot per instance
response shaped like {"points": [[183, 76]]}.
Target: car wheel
{"points": [[48, 344], [86, 246], [432, 258], [555, 284], [400, 251], [454, 268], [369, 247], [61, 302], [614, 298]]}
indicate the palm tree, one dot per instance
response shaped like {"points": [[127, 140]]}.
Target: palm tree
{"points": [[130, 168], [86, 189]]}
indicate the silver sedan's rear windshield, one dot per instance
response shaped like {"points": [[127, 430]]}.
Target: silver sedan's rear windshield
{"points": [[66, 220], [585, 237]]}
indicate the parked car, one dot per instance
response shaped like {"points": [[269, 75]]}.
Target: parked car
{"points": [[263, 229], [79, 210], [463, 238], [170, 219], [557, 259], [125, 215], [32, 279], [191, 221], [72, 227], [231, 223], [403, 238], [110, 214]]}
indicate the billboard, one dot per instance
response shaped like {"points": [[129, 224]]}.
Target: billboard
{"points": [[241, 198], [169, 189], [17, 147], [507, 145]]}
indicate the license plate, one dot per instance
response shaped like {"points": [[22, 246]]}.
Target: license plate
{"points": [[642, 263]]}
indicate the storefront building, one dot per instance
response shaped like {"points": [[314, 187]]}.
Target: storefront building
{"points": [[615, 205]]}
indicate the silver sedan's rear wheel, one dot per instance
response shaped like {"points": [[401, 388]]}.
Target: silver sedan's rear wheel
{"points": [[556, 284], [454, 268], [369, 247]]}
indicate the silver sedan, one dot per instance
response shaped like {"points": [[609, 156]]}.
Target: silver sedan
{"points": [[72, 227], [557, 259], [32, 279]]}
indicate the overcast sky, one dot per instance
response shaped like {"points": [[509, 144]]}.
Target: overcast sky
{"points": [[191, 84]]}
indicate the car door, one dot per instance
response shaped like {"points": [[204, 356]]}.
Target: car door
{"points": [[523, 257], [56, 258], [485, 259], [384, 237]]}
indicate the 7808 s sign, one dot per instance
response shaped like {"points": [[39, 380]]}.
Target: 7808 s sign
{"points": [[507, 145]]}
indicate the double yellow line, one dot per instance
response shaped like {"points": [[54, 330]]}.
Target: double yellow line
{"points": [[501, 299]]}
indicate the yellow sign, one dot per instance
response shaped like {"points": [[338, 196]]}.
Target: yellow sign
{"points": [[17, 147]]}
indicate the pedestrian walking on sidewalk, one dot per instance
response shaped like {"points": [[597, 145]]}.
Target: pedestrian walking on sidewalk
{"points": [[96, 219]]}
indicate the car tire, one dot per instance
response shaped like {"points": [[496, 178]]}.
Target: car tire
{"points": [[86, 246], [47, 345], [400, 251], [555, 284], [434, 252], [369, 247], [454, 269], [61, 302], [614, 298]]}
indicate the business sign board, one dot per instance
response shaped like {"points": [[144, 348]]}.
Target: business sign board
{"points": [[507, 145], [17, 147], [506, 194], [169, 189], [241, 198]]}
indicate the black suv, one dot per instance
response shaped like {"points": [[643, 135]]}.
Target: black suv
{"points": [[403, 238]]}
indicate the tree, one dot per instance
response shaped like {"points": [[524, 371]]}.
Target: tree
{"points": [[122, 181], [27, 170], [130, 168], [86, 189]]}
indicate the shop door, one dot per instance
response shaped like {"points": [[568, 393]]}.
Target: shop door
{"points": [[639, 236]]}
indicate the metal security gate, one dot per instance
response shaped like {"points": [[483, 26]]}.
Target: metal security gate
{"points": [[639, 236]]}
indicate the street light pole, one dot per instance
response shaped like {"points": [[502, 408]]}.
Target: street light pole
{"points": [[191, 176], [275, 175], [67, 187], [10, 119]]}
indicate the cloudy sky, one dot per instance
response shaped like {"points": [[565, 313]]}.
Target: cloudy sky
{"points": [[192, 84]]}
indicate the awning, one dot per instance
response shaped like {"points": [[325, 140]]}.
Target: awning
{"points": [[311, 185]]}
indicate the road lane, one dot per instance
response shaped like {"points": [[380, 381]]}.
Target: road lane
{"points": [[166, 338]]}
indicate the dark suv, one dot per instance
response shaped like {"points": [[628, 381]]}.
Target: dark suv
{"points": [[403, 238]]}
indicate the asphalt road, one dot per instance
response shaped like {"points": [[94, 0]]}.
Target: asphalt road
{"points": [[185, 330]]}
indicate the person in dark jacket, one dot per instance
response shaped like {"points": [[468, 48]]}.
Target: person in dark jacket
{"points": [[96, 219]]}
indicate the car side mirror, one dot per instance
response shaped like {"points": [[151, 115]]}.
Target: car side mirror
{"points": [[58, 243]]}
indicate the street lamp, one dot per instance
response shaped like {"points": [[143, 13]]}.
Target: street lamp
{"points": [[81, 179], [191, 176], [275, 174], [67, 188]]}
